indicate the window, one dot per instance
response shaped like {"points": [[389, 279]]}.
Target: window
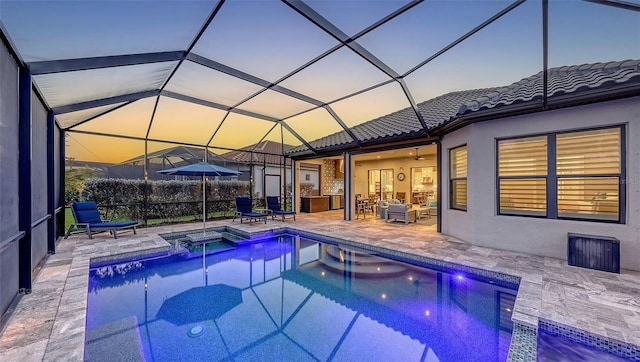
{"points": [[589, 170], [522, 173], [572, 175], [458, 177]]}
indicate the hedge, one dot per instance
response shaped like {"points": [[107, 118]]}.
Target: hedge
{"points": [[167, 200]]}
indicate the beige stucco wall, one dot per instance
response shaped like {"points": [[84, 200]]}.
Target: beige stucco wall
{"points": [[481, 225]]}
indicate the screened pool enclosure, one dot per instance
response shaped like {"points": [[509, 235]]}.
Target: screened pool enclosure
{"points": [[96, 84]]}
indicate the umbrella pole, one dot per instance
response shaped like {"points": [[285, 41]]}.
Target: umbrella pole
{"points": [[204, 207]]}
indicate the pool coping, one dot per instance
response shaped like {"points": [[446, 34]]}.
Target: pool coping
{"points": [[67, 334]]}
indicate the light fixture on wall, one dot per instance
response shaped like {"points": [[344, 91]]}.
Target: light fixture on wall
{"points": [[417, 157]]}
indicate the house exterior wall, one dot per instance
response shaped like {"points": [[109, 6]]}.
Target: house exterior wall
{"points": [[481, 225]]}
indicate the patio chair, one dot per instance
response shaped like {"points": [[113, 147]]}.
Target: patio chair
{"points": [[362, 205], [87, 219], [245, 211], [432, 207], [381, 208], [273, 204]]}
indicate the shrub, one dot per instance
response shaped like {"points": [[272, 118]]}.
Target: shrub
{"points": [[167, 200]]}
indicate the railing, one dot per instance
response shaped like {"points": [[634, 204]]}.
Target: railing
{"points": [[13, 238], [40, 220]]}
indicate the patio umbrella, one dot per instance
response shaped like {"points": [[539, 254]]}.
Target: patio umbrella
{"points": [[200, 304], [201, 169]]}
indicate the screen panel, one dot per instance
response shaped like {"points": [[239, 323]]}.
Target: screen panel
{"points": [[314, 124], [70, 119], [482, 62], [238, 131], [256, 37], [86, 85], [425, 29], [130, 120], [282, 135], [186, 122], [582, 32], [337, 75], [275, 104], [98, 154], [81, 29], [372, 104], [354, 16], [200, 82]]}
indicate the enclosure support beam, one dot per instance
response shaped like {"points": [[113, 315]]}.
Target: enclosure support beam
{"points": [[72, 65], [61, 181], [545, 53], [349, 202], [439, 167], [51, 185], [146, 180], [295, 186], [24, 184]]}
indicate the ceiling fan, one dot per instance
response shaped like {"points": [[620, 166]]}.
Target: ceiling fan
{"points": [[418, 158]]}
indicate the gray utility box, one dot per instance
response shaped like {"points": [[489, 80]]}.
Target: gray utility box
{"points": [[594, 252]]}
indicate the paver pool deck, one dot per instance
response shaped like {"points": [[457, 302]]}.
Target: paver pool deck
{"points": [[49, 323]]}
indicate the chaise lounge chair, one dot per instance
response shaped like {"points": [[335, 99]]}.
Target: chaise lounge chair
{"points": [[88, 219], [244, 211], [273, 204]]}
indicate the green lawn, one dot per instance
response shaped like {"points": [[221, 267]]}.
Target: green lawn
{"points": [[68, 219]]}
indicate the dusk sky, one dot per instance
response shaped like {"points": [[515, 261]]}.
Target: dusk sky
{"points": [[269, 40]]}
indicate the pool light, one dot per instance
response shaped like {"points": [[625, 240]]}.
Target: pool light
{"points": [[195, 331]]}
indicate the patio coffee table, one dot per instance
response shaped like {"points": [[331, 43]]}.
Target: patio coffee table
{"points": [[422, 212]]}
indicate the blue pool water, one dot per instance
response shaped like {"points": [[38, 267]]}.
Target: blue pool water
{"points": [[291, 299]]}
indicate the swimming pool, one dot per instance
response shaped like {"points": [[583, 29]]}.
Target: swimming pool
{"points": [[292, 298]]}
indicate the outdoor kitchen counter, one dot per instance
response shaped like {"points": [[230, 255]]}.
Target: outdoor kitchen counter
{"points": [[314, 203]]}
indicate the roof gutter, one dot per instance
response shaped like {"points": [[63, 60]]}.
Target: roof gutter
{"points": [[381, 144]]}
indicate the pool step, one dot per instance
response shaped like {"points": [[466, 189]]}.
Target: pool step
{"points": [[208, 236], [116, 341], [355, 257], [361, 265]]}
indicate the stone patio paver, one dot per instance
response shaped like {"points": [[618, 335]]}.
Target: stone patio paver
{"points": [[48, 324]]}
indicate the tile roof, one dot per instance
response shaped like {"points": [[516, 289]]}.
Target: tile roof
{"points": [[446, 108], [403, 122], [270, 152], [185, 153], [561, 80]]}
